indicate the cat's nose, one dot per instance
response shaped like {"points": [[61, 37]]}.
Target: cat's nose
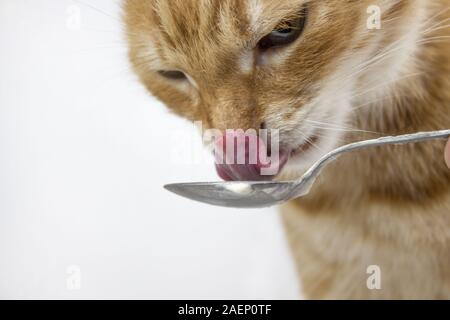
{"points": [[263, 126], [244, 157]]}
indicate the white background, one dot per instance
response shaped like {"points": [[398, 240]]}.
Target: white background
{"points": [[84, 153]]}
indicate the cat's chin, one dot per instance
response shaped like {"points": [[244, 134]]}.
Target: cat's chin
{"points": [[296, 167], [306, 155]]}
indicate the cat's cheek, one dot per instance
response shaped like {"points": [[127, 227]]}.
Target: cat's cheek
{"points": [[180, 101]]}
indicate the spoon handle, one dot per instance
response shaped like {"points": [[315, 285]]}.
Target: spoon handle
{"points": [[308, 179]]}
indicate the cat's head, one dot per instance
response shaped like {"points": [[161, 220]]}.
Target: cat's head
{"points": [[298, 66]]}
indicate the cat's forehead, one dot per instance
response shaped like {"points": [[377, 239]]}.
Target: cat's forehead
{"points": [[187, 17], [237, 8], [199, 27]]}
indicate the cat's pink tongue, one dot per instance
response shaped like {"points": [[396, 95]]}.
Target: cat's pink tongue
{"points": [[248, 160]]}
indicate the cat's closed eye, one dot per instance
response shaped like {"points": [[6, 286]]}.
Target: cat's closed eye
{"points": [[173, 74], [286, 33]]}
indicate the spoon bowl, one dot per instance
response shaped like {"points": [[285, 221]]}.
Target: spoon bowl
{"points": [[235, 194]]}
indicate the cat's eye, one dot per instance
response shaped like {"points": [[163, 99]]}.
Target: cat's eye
{"points": [[286, 33], [173, 74]]}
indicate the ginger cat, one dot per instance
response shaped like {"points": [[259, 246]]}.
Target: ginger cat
{"points": [[324, 73]]}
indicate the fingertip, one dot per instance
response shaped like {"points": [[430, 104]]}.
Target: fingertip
{"points": [[447, 153]]}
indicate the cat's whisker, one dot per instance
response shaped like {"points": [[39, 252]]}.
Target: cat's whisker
{"points": [[436, 25], [387, 83], [106, 46], [437, 29], [369, 103], [99, 10], [375, 60], [433, 18], [433, 42], [393, 47], [390, 20], [311, 143], [120, 32], [433, 38], [384, 54], [335, 127]]}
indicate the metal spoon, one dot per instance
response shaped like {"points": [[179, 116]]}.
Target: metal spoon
{"points": [[265, 194]]}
